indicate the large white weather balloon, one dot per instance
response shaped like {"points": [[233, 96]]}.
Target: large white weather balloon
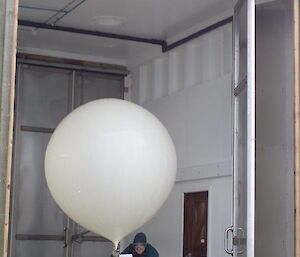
{"points": [[110, 165]]}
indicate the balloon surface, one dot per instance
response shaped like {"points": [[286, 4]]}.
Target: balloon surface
{"points": [[110, 165]]}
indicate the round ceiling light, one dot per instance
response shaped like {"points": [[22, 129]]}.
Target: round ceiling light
{"points": [[109, 21]]}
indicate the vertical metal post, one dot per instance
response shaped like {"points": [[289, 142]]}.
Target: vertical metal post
{"points": [[250, 127], [127, 85], [70, 224], [73, 90], [8, 41], [235, 66]]}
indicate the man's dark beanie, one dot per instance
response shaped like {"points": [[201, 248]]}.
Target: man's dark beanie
{"points": [[140, 238]]}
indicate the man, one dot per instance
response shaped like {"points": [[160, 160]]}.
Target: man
{"points": [[140, 247]]}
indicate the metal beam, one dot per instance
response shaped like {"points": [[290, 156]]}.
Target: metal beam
{"points": [[91, 32], [37, 129], [165, 47], [106, 72], [197, 34], [33, 237], [75, 238]]}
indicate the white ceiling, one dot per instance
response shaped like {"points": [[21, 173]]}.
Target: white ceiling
{"points": [[161, 19]]}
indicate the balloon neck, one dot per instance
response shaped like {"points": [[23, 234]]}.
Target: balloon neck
{"points": [[116, 250]]}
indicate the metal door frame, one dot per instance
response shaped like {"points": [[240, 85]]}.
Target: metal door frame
{"points": [[247, 83]]}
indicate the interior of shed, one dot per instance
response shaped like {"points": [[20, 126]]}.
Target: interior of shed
{"points": [[175, 59]]}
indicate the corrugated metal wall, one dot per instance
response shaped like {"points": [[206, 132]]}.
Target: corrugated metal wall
{"points": [[202, 60]]}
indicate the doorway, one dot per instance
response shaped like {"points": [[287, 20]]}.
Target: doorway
{"points": [[195, 224]]}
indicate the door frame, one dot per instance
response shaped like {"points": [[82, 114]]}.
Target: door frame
{"points": [[249, 85], [8, 46]]}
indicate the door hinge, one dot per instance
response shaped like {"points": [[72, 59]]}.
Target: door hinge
{"points": [[239, 241]]}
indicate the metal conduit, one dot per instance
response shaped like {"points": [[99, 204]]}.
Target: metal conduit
{"points": [[90, 32]]}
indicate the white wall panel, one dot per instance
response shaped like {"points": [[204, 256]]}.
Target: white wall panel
{"points": [[199, 121], [171, 111], [134, 93], [145, 83], [208, 122], [192, 64], [160, 77], [227, 47], [216, 54], [176, 71], [204, 59]]}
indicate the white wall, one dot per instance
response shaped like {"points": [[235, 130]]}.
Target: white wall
{"points": [[189, 90], [274, 157]]}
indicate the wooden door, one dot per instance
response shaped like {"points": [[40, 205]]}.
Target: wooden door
{"points": [[195, 224]]}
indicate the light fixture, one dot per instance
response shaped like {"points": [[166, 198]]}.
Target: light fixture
{"points": [[109, 21]]}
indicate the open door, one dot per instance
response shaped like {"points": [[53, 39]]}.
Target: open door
{"points": [[242, 231]]}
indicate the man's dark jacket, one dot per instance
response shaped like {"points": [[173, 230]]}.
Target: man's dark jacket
{"points": [[150, 251]]}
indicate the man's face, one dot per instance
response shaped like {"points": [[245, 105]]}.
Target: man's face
{"points": [[139, 248]]}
